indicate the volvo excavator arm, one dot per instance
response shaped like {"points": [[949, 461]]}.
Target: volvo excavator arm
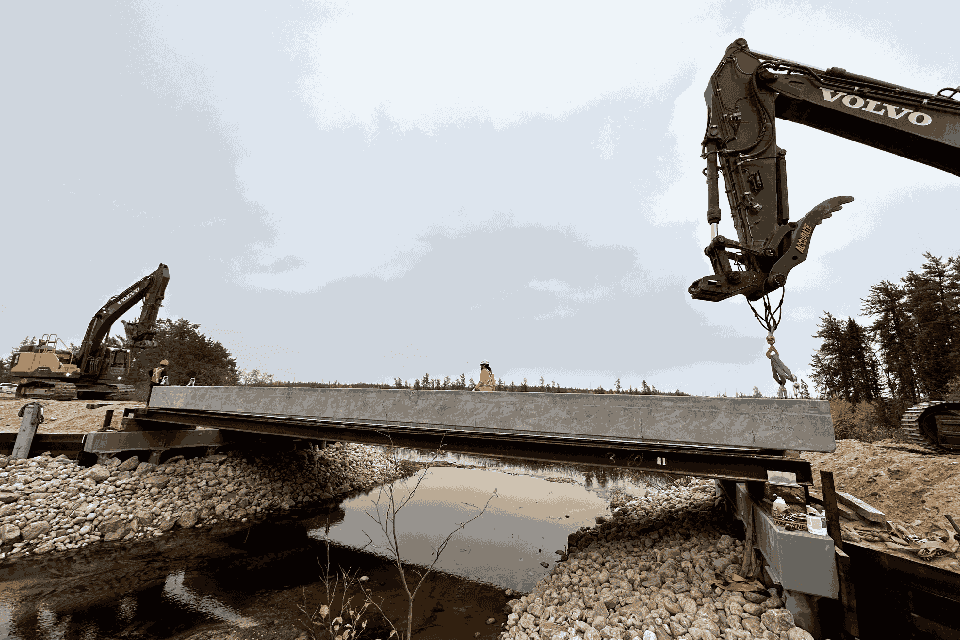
{"points": [[746, 94], [150, 290]]}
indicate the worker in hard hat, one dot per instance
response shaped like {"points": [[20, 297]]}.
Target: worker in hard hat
{"points": [[157, 376], [487, 380]]}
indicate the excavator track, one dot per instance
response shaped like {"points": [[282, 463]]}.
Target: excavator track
{"points": [[934, 425], [69, 391], [108, 392], [48, 391]]}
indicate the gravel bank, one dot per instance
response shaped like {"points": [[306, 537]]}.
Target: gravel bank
{"points": [[49, 504], [647, 572]]}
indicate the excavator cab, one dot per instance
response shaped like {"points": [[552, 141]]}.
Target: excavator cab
{"points": [[118, 361]]}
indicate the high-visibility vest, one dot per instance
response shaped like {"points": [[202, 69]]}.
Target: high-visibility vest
{"points": [[487, 381]]}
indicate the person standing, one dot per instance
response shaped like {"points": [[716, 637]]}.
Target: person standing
{"points": [[157, 376], [487, 380]]}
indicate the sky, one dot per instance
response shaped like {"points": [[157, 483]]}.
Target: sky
{"points": [[364, 191]]}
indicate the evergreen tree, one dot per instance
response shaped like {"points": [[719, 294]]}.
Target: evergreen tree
{"points": [[191, 355], [804, 389], [863, 363], [523, 386], [894, 332], [543, 386], [617, 386], [931, 297], [425, 383], [446, 382], [416, 384], [756, 393], [645, 390], [831, 364], [462, 382], [473, 385]]}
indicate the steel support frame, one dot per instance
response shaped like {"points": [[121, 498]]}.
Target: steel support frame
{"points": [[708, 461], [55, 443]]}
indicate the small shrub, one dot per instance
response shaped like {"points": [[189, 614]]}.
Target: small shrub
{"points": [[862, 421]]}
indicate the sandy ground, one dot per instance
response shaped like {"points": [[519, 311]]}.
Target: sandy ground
{"points": [[70, 416], [912, 487]]}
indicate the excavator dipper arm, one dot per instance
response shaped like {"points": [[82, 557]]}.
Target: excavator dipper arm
{"points": [[745, 95]]}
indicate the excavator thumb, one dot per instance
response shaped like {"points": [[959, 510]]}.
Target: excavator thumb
{"points": [[726, 283], [800, 241]]}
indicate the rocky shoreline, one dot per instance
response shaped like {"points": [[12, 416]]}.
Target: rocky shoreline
{"points": [[53, 504], [659, 569]]}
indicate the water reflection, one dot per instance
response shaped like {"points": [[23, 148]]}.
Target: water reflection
{"points": [[175, 589], [605, 480], [525, 523]]}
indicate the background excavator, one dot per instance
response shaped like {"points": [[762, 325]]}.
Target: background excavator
{"points": [[746, 94], [96, 371]]}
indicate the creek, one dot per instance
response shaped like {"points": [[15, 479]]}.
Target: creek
{"points": [[254, 577]]}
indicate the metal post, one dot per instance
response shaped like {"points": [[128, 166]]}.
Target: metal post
{"points": [[32, 417]]}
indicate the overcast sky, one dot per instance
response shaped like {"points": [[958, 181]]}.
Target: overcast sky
{"points": [[364, 191]]}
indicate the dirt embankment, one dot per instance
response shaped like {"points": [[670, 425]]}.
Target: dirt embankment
{"points": [[62, 416], [914, 489], [901, 480]]}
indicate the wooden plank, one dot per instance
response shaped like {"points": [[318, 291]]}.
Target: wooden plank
{"points": [[830, 502], [862, 508], [756, 423]]}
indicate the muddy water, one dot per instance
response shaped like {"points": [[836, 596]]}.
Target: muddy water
{"points": [[254, 577]]}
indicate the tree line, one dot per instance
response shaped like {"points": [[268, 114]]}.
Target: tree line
{"points": [[192, 355], [911, 348]]}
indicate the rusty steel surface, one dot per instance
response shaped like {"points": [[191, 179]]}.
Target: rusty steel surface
{"points": [[69, 444], [749, 423]]}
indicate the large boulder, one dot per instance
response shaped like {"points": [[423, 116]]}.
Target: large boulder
{"points": [[156, 481], [35, 530], [165, 523], [114, 528], [8, 497], [145, 467], [797, 633], [187, 519], [9, 533], [129, 464], [98, 473], [777, 620]]}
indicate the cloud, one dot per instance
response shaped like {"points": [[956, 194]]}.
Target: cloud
{"points": [[426, 64]]}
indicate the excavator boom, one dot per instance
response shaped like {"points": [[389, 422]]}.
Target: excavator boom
{"points": [[745, 96]]}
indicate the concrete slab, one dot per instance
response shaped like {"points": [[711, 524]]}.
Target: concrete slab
{"points": [[763, 423]]}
